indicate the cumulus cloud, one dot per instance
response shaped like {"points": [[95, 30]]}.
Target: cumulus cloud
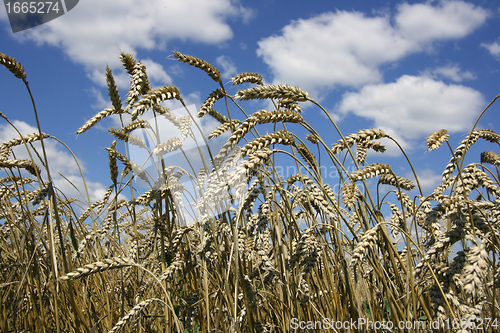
{"points": [[423, 23], [403, 108], [493, 48], [226, 65], [94, 32], [60, 163], [451, 72], [347, 48]]}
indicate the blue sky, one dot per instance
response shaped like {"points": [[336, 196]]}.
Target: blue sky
{"points": [[409, 68]]}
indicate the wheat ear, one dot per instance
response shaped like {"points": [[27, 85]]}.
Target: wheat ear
{"points": [[99, 266], [154, 97], [435, 140], [13, 66], [490, 157], [97, 118], [265, 141], [23, 164], [370, 171], [199, 63], [128, 62], [263, 117], [132, 313], [207, 106], [248, 77], [273, 91]]}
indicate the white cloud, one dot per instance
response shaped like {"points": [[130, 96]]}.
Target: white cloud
{"points": [[60, 162], [347, 48], [427, 178], [425, 23], [413, 106], [339, 48], [95, 31], [227, 65], [493, 48], [452, 72]]}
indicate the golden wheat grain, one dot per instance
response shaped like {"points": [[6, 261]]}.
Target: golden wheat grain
{"points": [[135, 125], [13, 66], [139, 84], [113, 167], [312, 138], [362, 150], [154, 97], [29, 166], [247, 77], [464, 146], [471, 177], [24, 139], [273, 91], [128, 62], [263, 117], [349, 192], [308, 156], [97, 267], [362, 136], [168, 146], [289, 104], [367, 241], [397, 181], [95, 119], [127, 137], [137, 169], [6, 147], [435, 140], [475, 269], [258, 159], [208, 104], [201, 64], [370, 171], [490, 157], [281, 137], [222, 128], [130, 315], [113, 90]]}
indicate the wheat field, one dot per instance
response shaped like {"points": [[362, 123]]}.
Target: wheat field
{"points": [[264, 251]]}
